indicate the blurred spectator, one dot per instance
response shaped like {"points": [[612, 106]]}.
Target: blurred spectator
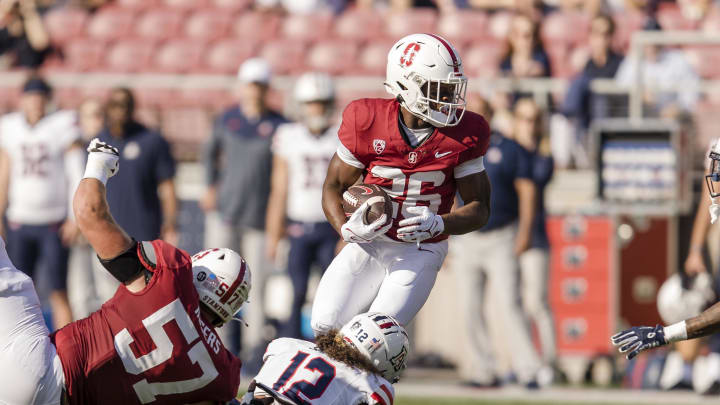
{"points": [[533, 8], [22, 34], [486, 264], [238, 165], [301, 6], [581, 105], [301, 155], [696, 10], [670, 84], [143, 201], [525, 57], [535, 262], [42, 164], [84, 287]]}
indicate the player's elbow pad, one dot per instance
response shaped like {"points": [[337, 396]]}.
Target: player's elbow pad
{"points": [[126, 266]]}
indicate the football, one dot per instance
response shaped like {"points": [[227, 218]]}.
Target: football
{"points": [[358, 194]]}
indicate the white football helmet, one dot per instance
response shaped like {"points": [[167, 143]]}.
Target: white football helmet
{"points": [[677, 302], [425, 73], [314, 86], [222, 280], [381, 339]]}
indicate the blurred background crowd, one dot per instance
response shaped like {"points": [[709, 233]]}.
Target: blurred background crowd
{"points": [[602, 112]]}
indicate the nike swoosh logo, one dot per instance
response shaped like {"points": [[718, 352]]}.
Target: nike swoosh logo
{"points": [[438, 155]]}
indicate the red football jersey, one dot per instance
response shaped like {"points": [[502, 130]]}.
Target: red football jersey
{"points": [[411, 176], [150, 347]]}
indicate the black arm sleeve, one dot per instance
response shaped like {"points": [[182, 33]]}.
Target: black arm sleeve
{"points": [[127, 266]]}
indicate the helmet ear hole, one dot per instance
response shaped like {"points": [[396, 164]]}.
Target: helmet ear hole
{"points": [[222, 257]]}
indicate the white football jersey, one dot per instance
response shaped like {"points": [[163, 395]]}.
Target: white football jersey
{"points": [[39, 187], [301, 372], [307, 157]]}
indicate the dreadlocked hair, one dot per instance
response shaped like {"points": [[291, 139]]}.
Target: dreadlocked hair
{"points": [[332, 344]]}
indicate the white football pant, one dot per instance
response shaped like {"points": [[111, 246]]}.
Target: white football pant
{"points": [[535, 277], [30, 370], [486, 266], [390, 277]]}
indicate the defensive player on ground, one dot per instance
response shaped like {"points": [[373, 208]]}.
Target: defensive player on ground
{"points": [[422, 148], [152, 343], [637, 339], [352, 366]]}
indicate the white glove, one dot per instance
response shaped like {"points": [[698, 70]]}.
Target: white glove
{"points": [[102, 162], [355, 230], [424, 225], [714, 211]]}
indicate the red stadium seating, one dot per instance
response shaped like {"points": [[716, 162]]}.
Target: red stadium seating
{"points": [[83, 55], [483, 59], [373, 57], [570, 28], [334, 57], [67, 97], [186, 4], [499, 26], [307, 27], [227, 55], [231, 6], [186, 125], [160, 24], [256, 26], [625, 25], [711, 24], [130, 56], [208, 25], [705, 60], [670, 18], [149, 97], [398, 25], [66, 23], [285, 55], [111, 23], [359, 25], [463, 26], [136, 4], [210, 99], [179, 56]]}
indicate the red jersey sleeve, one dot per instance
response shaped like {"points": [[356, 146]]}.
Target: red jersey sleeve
{"points": [[477, 137], [356, 119]]}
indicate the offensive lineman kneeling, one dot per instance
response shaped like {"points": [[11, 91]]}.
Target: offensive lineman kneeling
{"points": [[347, 367], [152, 342]]}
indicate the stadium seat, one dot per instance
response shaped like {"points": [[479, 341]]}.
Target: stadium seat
{"points": [[65, 23], [111, 23], [67, 97], [83, 54], [154, 97], [705, 60], [137, 5], [284, 55], [359, 25], [179, 56], [226, 55], [130, 56], [231, 6], [186, 4], [186, 125], [570, 28], [333, 57], [483, 59], [398, 25], [213, 99], [499, 26], [463, 26], [256, 26], [373, 57], [625, 25], [208, 25], [307, 27], [159, 24], [344, 97], [670, 18]]}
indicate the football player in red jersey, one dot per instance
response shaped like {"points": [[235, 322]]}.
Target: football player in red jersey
{"points": [[153, 342], [421, 147]]}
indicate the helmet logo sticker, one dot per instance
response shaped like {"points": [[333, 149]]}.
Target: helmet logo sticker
{"points": [[398, 361], [201, 276], [409, 54], [378, 145]]}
